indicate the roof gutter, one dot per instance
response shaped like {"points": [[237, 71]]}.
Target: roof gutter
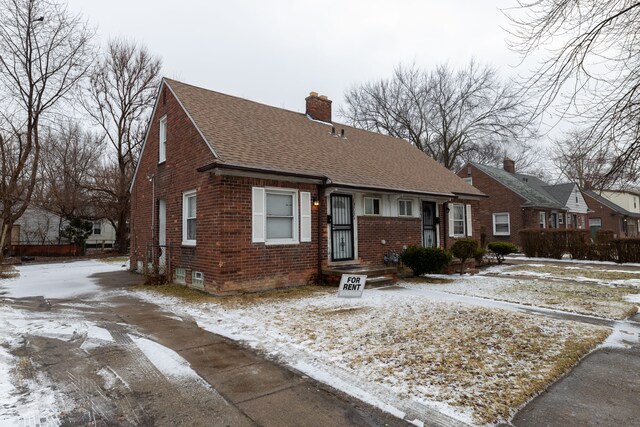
{"points": [[227, 166]]}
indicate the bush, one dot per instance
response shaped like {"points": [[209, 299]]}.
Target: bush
{"points": [[578, 244], [464, 249], [479, 256], [553, 243], [425, 260], [628, 249], [603, 248], [502, 249]]}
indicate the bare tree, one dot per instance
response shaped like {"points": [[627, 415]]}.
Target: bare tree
{"points": [[450, 115], [70, 157], [44, 52], [120, 96], [589, 70]]}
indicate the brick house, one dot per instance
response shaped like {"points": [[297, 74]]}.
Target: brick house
{"points": [[232, 195], [518, 201], [607, 215]]}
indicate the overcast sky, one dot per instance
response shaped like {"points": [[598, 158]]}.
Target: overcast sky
{"points": [[277, 51]]}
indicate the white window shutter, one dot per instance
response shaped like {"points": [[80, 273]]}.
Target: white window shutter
{"points": [[469, 222], [305, 216], [257, 224], [451, 223]]}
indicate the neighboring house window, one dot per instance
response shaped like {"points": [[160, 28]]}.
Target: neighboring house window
{"points": [[595, 222], [189, 218], [543, 220], [501, 224], [458, 219], [468, 180], [560, 218], [371, 206], [553, 220], [405, 208], [162, 145], [97, 227], [281, 216], [581, 221]]}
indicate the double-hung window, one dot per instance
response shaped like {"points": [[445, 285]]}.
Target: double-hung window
{"points": [[543, 219], [405, 208], [162, 143], [97, 227], [281, 216], [501, 226], [458, 219], [189, 218]]}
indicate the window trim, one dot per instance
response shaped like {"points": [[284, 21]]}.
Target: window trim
{"points": [[405, 215], [542, 219], [296, 215], [185, 208], [463, 219], [364, 206], [501, 233], [162, 144]]}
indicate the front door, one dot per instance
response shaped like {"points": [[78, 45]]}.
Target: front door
{"points": [[429, 225], [341, 227]]}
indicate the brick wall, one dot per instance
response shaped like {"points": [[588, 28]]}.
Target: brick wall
{"points": [[500, 200], [611, 220], [396, 232]]}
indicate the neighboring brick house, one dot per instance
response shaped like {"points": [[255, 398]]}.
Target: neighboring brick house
{"points": [[242, 196], [607, 215], [518, 201]]}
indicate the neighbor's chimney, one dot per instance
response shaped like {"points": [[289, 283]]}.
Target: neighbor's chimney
{"points": [[318, 107], [509, 165], [588, 185]]}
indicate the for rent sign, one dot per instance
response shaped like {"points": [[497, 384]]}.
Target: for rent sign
{"points": [[351, 286]]}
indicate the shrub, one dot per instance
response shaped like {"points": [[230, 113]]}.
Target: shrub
{"points": [[628, 249], [604, 249], [502, 249], [578, 244], [479, 256], [425, 260], [464, 249]]}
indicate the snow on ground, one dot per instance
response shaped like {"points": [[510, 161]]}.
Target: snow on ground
{"points": [[37, 279], [404, 352], [587, 273], [167, 361], [567, 259], [601, 299]]}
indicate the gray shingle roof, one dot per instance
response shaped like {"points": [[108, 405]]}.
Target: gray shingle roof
{"points": [[248, 134], [529, 187], [561, 192]]}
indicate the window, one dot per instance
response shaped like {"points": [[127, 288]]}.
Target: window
{"points": [[468, 180], [189, 218], [595, 222], [181, 276], [405, 208], [458, 219], [501, 225], [371, 206], [543, 220], [560, 218], [197, 279], [162, 145], [97, 227], [568, 219], [281, 216]]}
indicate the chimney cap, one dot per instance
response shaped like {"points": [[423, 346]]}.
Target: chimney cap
{"points": [[313, 93], [324, 97]]}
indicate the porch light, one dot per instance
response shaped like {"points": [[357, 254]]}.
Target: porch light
{"points": [[315, 201]]}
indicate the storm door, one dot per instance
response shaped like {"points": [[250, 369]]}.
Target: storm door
{"points": [[341, 227], [429, 225]]}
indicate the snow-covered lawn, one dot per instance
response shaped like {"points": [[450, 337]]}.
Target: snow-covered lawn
{"points": [[602, 293], [398, 349]]}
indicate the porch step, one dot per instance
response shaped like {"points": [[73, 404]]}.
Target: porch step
{"points": [[380, 281], [377, 275]]}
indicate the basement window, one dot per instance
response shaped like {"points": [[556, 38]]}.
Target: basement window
{"points": [[197, 279], [181, 276]]}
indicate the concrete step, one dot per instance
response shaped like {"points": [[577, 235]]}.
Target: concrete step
{"points": [[379, 281]]}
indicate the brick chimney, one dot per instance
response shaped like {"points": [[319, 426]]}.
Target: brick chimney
{"points": [[509, 165], [588, 185], [318, 107]]}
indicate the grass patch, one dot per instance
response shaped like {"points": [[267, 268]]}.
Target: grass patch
{"points": [[571, 273], [115, 259], [8, 272], [193, 295]]}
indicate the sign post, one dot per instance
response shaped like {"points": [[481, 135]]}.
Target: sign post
{"points": [[351, 286]]}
